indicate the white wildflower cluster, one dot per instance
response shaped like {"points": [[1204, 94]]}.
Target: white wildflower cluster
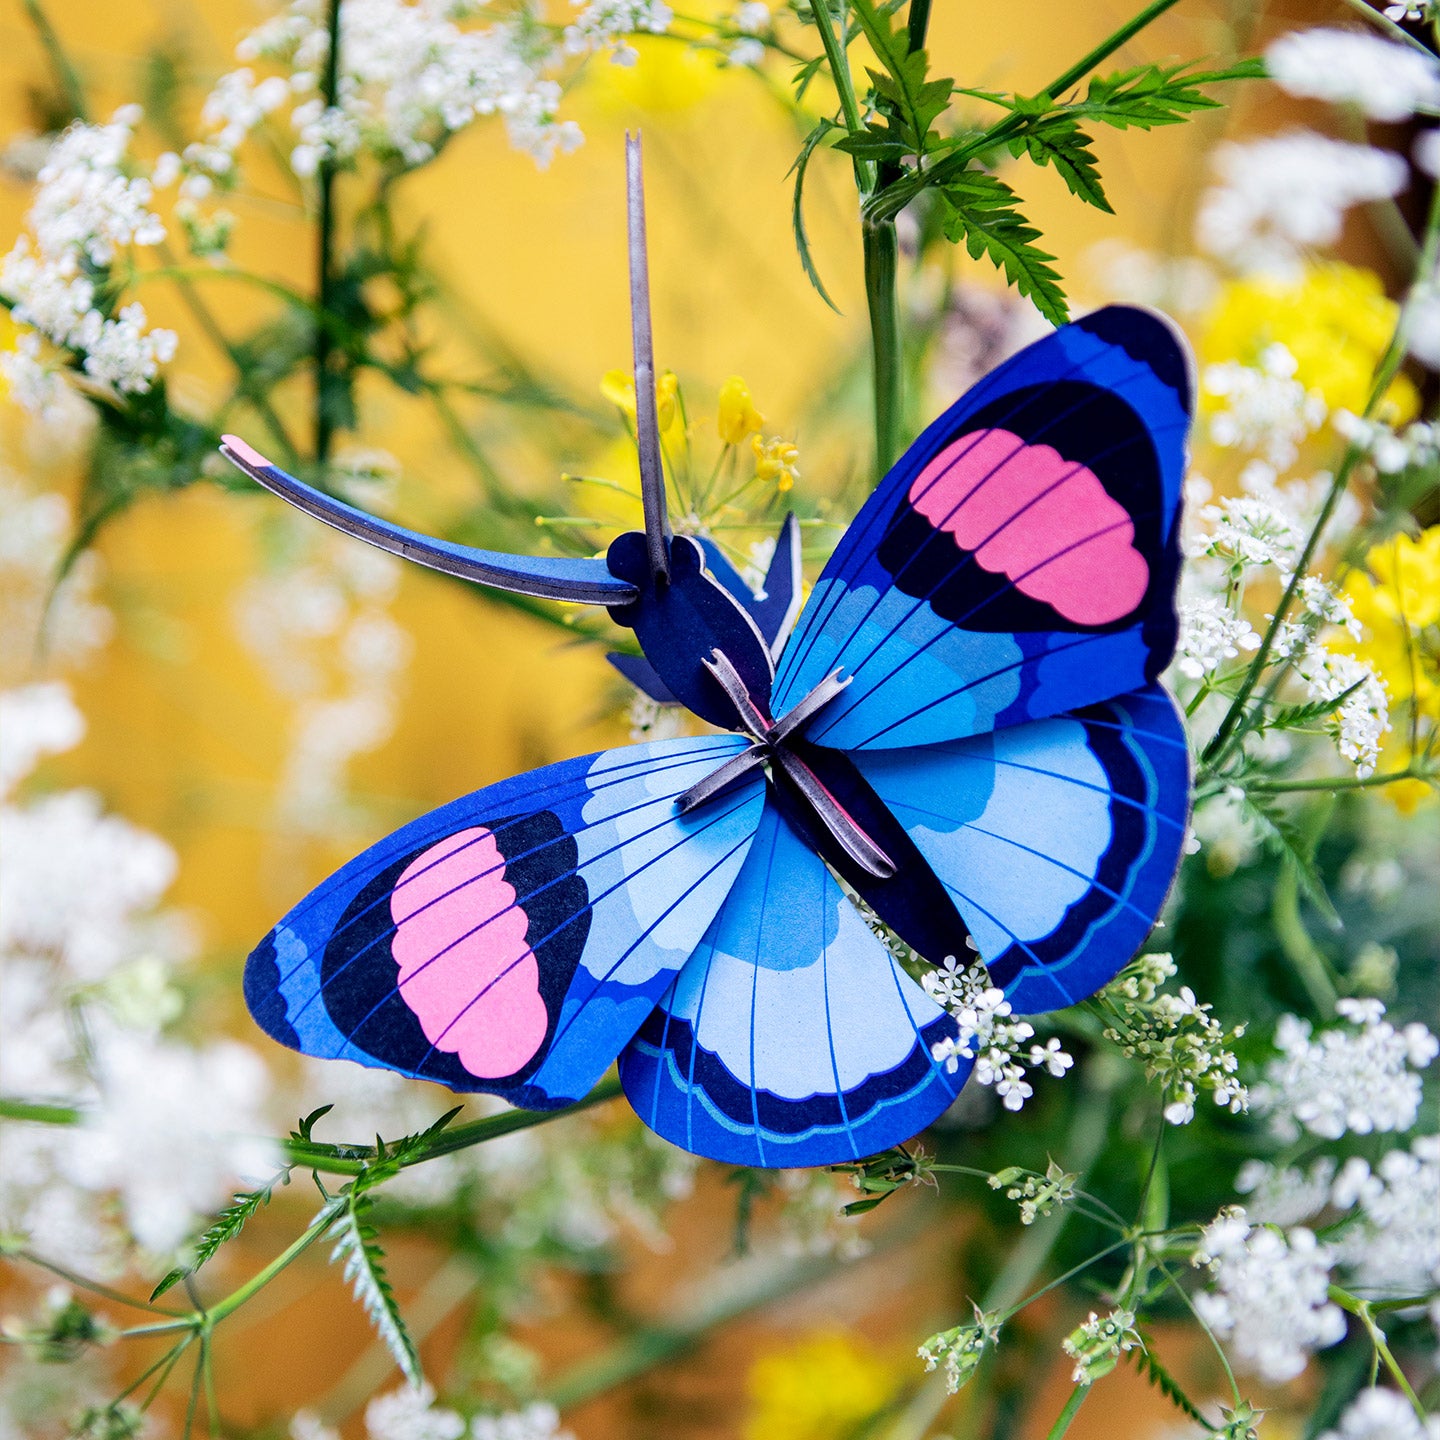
{"points": [[1211, 632], [1250, 530], [1097, 1345], [988, 1034], [1422, 336], [1269, 1294], [410, 77], [167, 1128], [960, 1350], [1362, 714], [1392, 1245], [1285, 1195], [1380, 1414], [1177, 1040], [1390, 451], [35, 530], [1284, 195], [87, 212], [1359, 1077], [605, 24], [413, 1413], [1038, 1194], [751, 19], [321, 625], [1385, 80], [1264, 408]]}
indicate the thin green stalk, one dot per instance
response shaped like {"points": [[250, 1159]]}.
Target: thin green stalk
{"points": [[1238, 721], [1335, 783], [352, 1159], [881, 252], [1071, 1410], [324, 401], [39, 1113], [65, 74], [257, 1282], [1362, 1312]]}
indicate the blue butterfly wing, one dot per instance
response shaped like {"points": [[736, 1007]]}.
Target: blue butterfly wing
{"points": [[1057, 840], [791, 1036], [1020, 559], [513, 940]]}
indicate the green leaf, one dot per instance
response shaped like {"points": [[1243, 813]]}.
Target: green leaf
{"points": [[1142, 1357], [985, 213], [357, 1245], [225, 1227], [797, 209], [873, 145], [910, 100], [1150, 95], [1291, 717], [1057, 140], [1289, 842]]}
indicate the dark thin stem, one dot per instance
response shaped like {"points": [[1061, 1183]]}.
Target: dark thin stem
{"points": [[324, 289], [917, 24], [65, 74]]}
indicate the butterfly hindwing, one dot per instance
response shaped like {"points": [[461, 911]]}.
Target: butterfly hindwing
{"points": [[1020, 559], [1057, 839], [791, 1036], [513, 941]]}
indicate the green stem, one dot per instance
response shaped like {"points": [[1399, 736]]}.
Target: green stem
{"points": [[324, 399], [257, 1282], [1071, 1410], [65, 74], [881, 250], [352, 1159], [1238, 721], [1362, 1312], [1337, 782], [41, 1114]]}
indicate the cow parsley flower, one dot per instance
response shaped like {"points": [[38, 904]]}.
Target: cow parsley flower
{"points": [[1210, 632], [1359, 1077], [1269, 1295], [604, 24], [1175, 1037], [86, 212], [537, 1421], [410, 1413], [1385, 80], [1362, 717], [35, 720], [1285, 1195], [1379, 1414], [1097, 1345], [1393, 1245], [1262, 407], [1284, 195], [987, 1033], [960, 1351]]}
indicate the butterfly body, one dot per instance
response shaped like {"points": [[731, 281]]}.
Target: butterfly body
{"points": [[963, 729]]}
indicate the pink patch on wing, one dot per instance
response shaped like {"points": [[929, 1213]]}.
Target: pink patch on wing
{"points": [[465, 969], [1043, 521]]}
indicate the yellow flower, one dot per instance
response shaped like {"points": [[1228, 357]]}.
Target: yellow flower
{"points": [[738, 416], [823, 1388], [1336, 320], [618, 387], [1396, 599], [776, 460]]}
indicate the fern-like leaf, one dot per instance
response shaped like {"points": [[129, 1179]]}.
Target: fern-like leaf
{"points": [[357, 1247], [1144, 1360], [1057, 140], [985, 212], [225, 1227]]}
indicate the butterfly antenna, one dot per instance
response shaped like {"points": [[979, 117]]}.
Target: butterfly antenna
{"points": [[647, 427]]}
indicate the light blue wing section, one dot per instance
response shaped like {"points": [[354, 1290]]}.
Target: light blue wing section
{"points": [[1058, 840], [791, 1037]]}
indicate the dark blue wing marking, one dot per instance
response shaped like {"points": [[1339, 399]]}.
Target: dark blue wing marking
{"points": [[941, 644], [581, 876], [1058, 840], [791, 1037]]}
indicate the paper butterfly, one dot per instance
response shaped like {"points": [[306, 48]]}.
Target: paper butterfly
{"points": [[963, 729]]}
